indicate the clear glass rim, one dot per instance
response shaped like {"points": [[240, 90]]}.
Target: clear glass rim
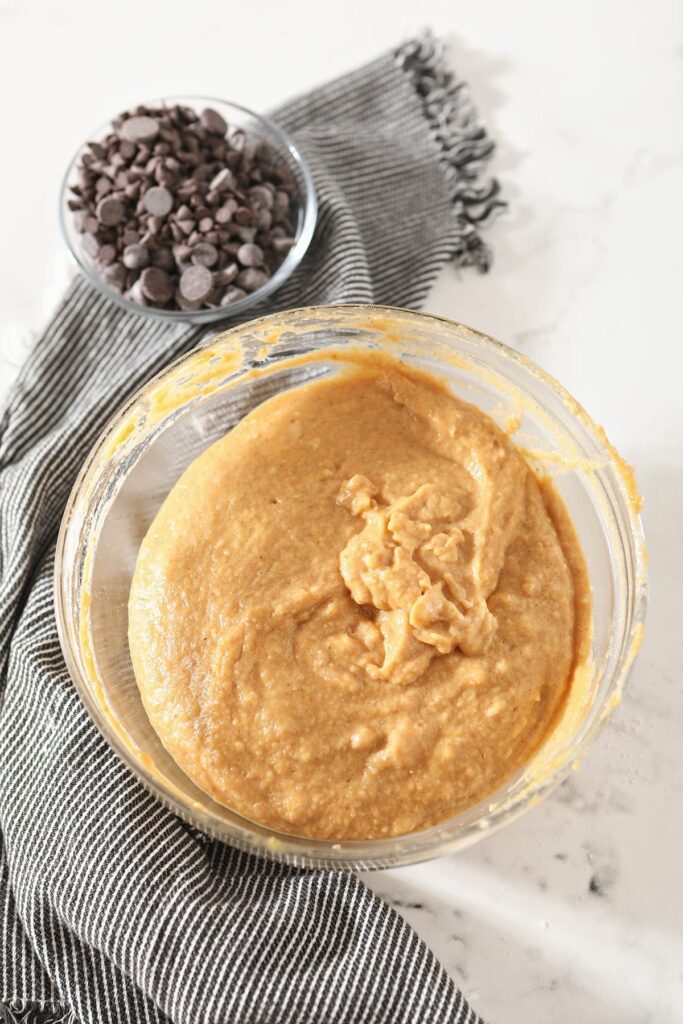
{"points": [[477, 820], [309, 201]]}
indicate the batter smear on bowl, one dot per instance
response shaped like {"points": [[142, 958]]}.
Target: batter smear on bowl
{"points": [[361, 611]]}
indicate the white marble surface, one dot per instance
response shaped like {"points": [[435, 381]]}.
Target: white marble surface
{"points": [[574, 913]]}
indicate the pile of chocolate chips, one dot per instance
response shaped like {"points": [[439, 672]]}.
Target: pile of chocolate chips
{"points": [[179, 214]]}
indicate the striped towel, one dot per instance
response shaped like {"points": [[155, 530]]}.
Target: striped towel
{"points": [[111, 909]]}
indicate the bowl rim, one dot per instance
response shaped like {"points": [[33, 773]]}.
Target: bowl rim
{"points": [[416, 847], [309, 201]]}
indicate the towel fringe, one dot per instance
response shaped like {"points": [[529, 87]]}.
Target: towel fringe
{"points": [[463, 141], [21, 1011]]}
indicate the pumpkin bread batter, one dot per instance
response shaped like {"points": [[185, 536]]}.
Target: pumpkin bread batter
{"points": [[359, 612]]}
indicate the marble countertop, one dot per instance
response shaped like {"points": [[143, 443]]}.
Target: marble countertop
{"points": [[574, 912]]}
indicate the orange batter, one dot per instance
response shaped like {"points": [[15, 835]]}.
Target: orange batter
{"points": [[359, 612]]}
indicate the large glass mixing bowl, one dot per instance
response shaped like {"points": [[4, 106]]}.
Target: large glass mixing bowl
{"points": [[195, 401]]}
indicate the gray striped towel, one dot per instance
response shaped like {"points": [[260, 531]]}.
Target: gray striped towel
{"points": [[111, 909]]}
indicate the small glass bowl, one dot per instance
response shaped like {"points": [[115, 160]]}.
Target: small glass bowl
{"points": [[196, 400], [305, 211]]}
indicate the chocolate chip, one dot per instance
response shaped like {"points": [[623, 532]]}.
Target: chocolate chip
{"points": [[163, 257], [196, 283], [249, 149], [280, 205], [158, 201], [115, 276], [184, 303], [282, 245], [205, 224], [135, 294], [225, 179], [225, 214], [251, 279], [233, 295], [228, 274], [182, 253], [250, 255], [244, 233], [243, 215], [262, 195], [213, 122], [110, 211], [135, 256], [284, 176], [263, 219], [139, 129], [91, 245], [155, 224], [156, 285], [204, 254], [106, 255]]}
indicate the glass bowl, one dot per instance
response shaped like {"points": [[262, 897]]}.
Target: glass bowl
{"points": [[196, 400], [305, 211]]}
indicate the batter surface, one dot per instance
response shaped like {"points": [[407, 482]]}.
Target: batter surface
{"points": [[359, 612]]}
